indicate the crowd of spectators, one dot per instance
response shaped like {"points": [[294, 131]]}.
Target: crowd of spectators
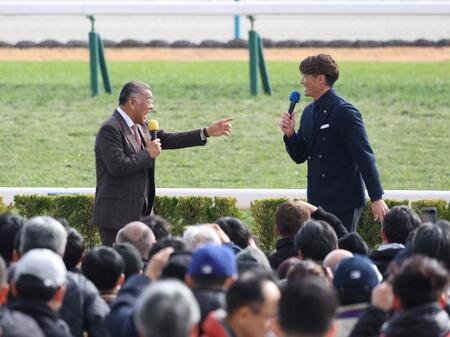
{"points": [[214, 281]]}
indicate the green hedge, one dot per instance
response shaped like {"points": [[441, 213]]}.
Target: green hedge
{"points": [[182, 211], [77, 209]]}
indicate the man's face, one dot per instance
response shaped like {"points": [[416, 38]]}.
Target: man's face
{"points": [[262, 318], [141, 104], [313, 84]]}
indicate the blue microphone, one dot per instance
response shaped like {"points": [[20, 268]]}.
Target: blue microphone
{"points": [[294, 99]]}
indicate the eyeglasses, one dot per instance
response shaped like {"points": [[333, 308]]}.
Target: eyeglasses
{"points": [[147, 100]]}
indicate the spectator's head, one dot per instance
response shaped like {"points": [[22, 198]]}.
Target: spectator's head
{"points": [[321, 65], [43, 232], [420, 280], [304, 269], [178, 244], [139, 235], [236, 230], [315, 239], [252, 304], [10, 225], [398, 223], [285, 266], [167, 308], [177, 266], [104, 267], [212, 265], [354, 279], [307, 309], [433, 240], [335, 257], [252, 258], [198, 235], [354, 243], [74, 249], [160, 227], [289, 217], [40, 275], [131, 258], [4, 288]]}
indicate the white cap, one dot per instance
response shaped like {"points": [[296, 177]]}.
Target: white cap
{"points": [[43, 264]]}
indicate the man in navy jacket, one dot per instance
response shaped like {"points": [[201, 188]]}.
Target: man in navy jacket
{"points": [[333, 139]]}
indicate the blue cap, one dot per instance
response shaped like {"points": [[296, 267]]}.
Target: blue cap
{"points": [[213, 260], [356, 272], [295, 97]]}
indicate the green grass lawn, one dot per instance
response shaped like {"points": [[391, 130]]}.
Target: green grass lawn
{"points": [[49, 121]]}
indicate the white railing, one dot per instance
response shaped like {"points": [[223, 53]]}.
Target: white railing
{"points": [[93, 8], [244, 196]]}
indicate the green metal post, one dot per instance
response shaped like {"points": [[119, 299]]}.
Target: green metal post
{"points": [[93, 56], [103, 66], [263, 69], [253, 50]]}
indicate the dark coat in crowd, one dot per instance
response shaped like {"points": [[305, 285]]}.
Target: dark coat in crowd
{"points": [[120, 320], [17, 324], [83, 309], [209, 300], [48, 320], [383, 257]]}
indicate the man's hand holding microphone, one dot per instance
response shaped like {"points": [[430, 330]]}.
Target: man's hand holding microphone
{"points": [[154, 146], [287, 122]]}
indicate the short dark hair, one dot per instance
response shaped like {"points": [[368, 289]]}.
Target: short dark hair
{"points": [[433, 240], [131, 258], [208, 281], [178, 244], [354, 243], [161, 227], [399, 222], [103, 266], [303, 269], [30, 287], [315, 239], [131, 88], [420, 280], [247, 290], [10, 225], [74, 248], [289, 217], [307, 307], [321, 64], [236, 230]]}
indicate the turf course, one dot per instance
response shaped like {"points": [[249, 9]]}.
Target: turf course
{"points": [[48, 122]]}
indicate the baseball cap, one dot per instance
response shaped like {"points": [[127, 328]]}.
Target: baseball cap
{"points": [[213, 260], [356, 272], [43, 264]]}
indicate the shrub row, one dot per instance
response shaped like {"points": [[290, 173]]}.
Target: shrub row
{"points": [[235, 43], [182, 211]]}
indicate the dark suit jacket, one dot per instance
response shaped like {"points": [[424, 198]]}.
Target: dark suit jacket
{"points": [[333, 139], [124, 170]]}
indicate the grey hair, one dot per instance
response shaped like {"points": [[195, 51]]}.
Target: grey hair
{"points": [[43, 232], [198, 235], [139, 235], [130, 89], [166, 308]]}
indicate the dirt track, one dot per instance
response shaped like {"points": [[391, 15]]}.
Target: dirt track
{"points": [[395, 54]]}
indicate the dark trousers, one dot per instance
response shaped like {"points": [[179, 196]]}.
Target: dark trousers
{"points": [[108, 236], [350, 218]]}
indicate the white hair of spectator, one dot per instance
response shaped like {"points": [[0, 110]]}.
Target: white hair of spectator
{"points": [[43, 232], [139, 235], [166, 308], [198, 235]]}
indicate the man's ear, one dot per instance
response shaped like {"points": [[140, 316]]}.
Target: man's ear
{"points": [[189, 281], [276, 328], [397, 304], [443, 299], [121, 280], [383, 235], [332, 330], [59, 294]]}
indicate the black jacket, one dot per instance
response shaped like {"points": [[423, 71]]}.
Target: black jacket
{"points": [[209, 300], [45, 317], [83, 308], [382, 258], [17, 324], [428, 320]]}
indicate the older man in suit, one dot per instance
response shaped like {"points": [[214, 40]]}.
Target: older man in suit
{"points": [[125, 159], [333, 139]]}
